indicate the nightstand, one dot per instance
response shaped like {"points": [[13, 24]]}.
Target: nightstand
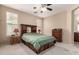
{"points": [[15, 39]]}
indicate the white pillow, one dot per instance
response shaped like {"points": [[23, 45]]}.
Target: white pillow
{"points": [[28, 29]]}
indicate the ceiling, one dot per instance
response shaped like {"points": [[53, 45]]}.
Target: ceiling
{"points": [[28, 8]]}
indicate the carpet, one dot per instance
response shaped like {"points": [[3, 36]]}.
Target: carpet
{"points": [[21, 49]]}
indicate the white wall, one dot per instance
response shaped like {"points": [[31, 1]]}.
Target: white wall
{"points": [[40, 25], [23, 18], [56, 21]]}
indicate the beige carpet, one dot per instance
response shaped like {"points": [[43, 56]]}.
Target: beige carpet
{"points": [[21, 49]]}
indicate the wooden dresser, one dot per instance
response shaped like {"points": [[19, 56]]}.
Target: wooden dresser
{"points": [[57, 33], [76, 36]]}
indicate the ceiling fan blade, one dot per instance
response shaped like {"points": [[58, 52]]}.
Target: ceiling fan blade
{"points": [[49, 9], [49, 4]]}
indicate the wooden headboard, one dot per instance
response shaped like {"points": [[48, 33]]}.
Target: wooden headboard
{"points": [[24, 28]]}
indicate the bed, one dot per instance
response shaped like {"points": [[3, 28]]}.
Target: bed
{"points": [[37, 42]]}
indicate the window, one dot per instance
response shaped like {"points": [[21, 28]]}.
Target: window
{"points": [[78, 27], [12, 22]]}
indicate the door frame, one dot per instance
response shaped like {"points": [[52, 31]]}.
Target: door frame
{"points": [[73, 19]]}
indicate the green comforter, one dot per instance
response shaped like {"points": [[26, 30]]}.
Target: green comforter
{"points": [[37, 40]]}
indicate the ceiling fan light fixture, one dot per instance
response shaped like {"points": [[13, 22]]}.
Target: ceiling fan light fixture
{"points": [[34, 7], [43, 9]]}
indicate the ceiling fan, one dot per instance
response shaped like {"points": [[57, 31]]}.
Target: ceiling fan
{"points": [[44, 7]]}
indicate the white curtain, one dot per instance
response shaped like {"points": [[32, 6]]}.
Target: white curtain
{"points": [[12, 22]]}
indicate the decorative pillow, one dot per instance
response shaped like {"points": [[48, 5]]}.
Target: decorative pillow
{"points": [[28, 29]]}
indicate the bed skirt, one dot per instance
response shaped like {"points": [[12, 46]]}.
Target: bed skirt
{"points": [[42, 48]]}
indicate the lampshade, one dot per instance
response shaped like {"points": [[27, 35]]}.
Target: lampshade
{"points": [[16, 30]]}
